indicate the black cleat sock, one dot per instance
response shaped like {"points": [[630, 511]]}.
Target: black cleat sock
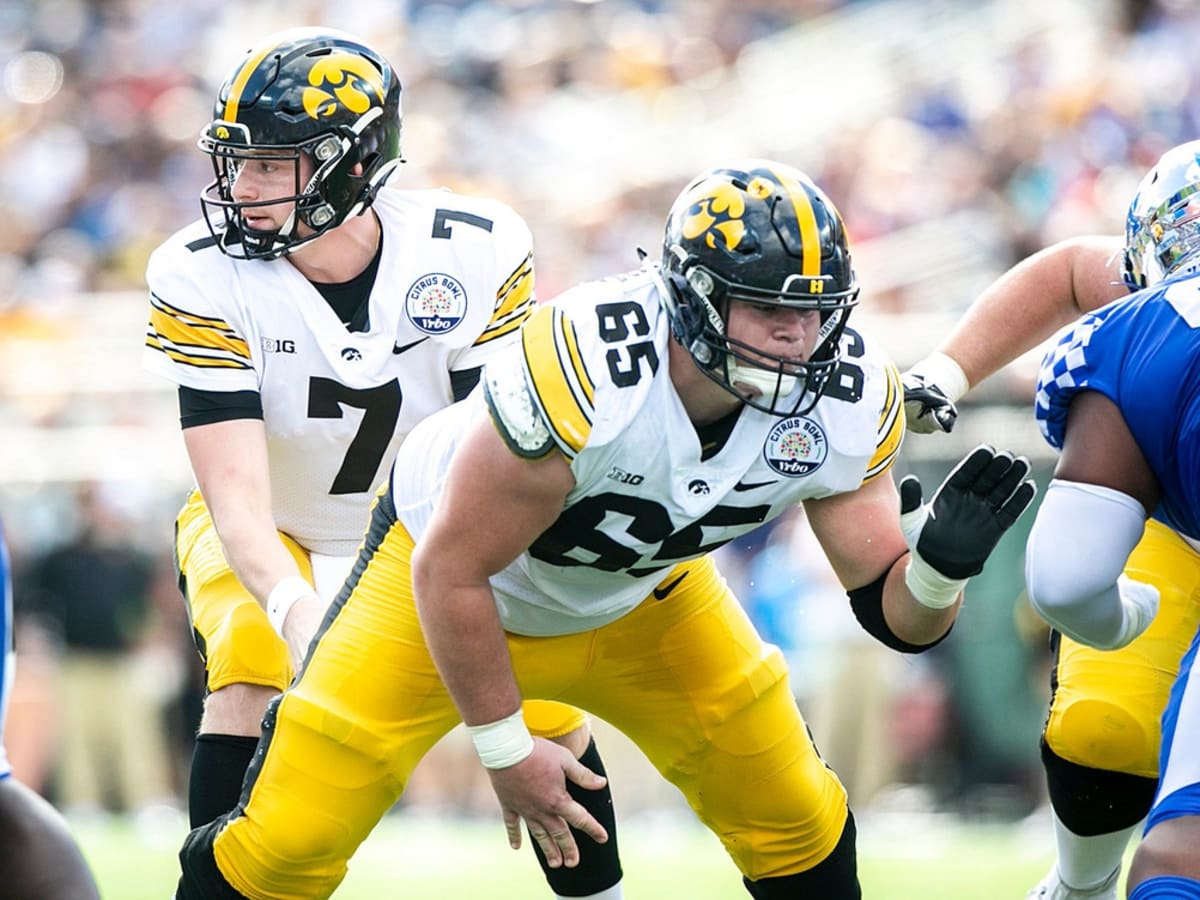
{"points": [[219, 764], [599, 864]]}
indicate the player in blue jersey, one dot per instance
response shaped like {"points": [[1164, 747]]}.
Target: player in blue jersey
{"points": [[1119, 395], [38, 856], [1100, 743]]}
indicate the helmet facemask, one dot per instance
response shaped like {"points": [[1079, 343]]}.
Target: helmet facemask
{"points": [[763, 234], [780, 385]]}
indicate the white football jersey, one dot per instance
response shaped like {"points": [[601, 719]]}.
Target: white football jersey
{"points": [[590, 379], [455, 282]]}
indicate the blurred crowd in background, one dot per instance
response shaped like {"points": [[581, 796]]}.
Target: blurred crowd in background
{"points": [[955, 136]]}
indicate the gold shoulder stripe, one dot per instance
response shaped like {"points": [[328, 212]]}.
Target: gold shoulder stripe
{"points": [[514, 303], [180, 328], [199, 362], [559, 379], [891, 427]]}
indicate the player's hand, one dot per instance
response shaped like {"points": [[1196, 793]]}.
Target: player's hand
{"points": [[980, 499], [302, 622], [926, 407], [931, 388], [535, 789]]}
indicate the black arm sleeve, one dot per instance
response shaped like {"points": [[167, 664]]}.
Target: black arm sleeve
{"points": [[462, 383], [205, 407], [867, 603]]}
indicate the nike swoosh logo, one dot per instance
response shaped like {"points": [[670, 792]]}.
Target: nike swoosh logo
{"points": [[744, 486], [661, 592], [400, 348]]}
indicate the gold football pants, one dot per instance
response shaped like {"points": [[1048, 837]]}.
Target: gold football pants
{"points": [[1107, 704], [236, 640], [687, 678]]}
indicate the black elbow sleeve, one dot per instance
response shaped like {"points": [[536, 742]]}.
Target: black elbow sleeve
{"points": [[867, 603]]}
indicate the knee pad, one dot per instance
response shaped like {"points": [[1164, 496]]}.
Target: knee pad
{"points": [[1097, 723], [833, 878], [548, 719], [1091, 801], [241, 647]]}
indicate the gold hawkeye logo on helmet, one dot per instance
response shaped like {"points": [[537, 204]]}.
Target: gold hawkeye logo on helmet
{"points": [[342, 80], [717, 215]]}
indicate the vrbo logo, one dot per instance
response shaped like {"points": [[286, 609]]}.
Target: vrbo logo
{"points": [[433, 323], [616, 473]]}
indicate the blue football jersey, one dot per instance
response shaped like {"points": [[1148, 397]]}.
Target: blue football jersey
{"points": [[1143, 353]]}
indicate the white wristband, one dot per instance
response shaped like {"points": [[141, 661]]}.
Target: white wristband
{"points": [[930, 587], [283, 597], [503, 743], [942, 370]]}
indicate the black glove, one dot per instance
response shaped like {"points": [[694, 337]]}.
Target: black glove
{"points": [[953, 534], [926, 406]]}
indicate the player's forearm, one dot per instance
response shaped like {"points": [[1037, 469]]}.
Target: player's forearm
{"points": [[256, 554], [910, 619], [1031, 301], [469, 648]]}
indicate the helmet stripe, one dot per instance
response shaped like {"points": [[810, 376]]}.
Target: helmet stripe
{"points": [[810, 238], [243, 76]]}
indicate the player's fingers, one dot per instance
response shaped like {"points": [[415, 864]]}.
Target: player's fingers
{"points": [[582, 820], [970, 468], [553, 845], [993, 474], [1016, 504], [1009, 481], [512, 825], [581, 775]]}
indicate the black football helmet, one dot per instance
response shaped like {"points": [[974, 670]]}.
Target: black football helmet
{"points": [[316, 92], [1162, 227], [757, 232]]}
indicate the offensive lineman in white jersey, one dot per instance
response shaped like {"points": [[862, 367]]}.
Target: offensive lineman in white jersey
{"points": [[562, 518], [311, 319]]}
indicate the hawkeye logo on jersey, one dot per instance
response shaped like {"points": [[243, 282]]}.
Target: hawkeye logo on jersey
{"points": [[796, 447], [436, 303]]}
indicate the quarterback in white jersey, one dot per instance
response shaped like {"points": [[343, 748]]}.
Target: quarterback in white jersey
{"points": [[549, 538], [310, 320], [454, 279]]}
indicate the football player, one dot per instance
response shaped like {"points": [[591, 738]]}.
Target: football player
{"points": [[1119, 395], [310, 319], [38, 855], [550, 537], [1100, 744]]}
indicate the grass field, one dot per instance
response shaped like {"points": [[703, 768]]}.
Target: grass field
{"points": [[902, 857]]}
